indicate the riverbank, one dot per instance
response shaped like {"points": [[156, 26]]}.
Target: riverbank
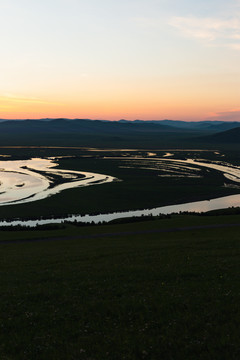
{"points": [[198, 207]]}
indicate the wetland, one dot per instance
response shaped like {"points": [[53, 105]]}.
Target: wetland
{"points": [[55, 187]]}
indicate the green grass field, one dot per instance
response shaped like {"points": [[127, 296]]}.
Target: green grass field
{"points": [[122, 296]]}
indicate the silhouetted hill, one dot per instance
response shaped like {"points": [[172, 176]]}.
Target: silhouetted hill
{"points": [[80, 126], [212, 126], [224, 126], [229, 136], [209, 126], [168, 124], [103, 133]]}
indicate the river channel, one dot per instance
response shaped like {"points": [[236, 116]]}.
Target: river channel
{"points": [[23, 181]]}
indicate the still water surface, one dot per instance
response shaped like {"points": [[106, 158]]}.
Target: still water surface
{"points": [[24, 181], [38, 187]]}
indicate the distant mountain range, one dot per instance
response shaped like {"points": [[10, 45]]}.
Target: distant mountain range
{"points": [[198, 125], [138, 133]]}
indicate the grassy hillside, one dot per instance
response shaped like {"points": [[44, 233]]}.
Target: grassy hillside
{"points": [[119, 296], [229, 136]]}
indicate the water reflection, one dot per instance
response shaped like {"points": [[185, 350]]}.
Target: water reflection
{"points": [[198, 206], [30, 180], [229, 171]]}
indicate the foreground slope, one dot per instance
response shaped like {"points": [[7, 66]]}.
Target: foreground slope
{"points": [[144, 296]]}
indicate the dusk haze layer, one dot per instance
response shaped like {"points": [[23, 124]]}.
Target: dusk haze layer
{"points": [[134, 59]]}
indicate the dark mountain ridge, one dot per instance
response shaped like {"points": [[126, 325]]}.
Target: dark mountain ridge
{"points": [[126, 134], [81, 126], [229, 136], [176, 124]]}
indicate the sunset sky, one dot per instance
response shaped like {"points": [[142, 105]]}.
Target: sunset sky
{"points": [[132, 59]]}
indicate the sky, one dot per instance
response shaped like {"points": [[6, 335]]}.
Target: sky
{"points": [[131, 59]]}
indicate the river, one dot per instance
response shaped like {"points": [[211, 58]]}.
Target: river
{"points": [[43, 190]]}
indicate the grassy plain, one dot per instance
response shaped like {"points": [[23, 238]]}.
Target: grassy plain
{"points": [[122, 296]]}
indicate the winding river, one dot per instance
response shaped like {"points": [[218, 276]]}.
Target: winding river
{"points": [[30, 184], [23, 181]]}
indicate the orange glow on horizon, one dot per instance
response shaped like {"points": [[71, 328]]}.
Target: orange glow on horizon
{"points": [[169, 99], [110, 60]]}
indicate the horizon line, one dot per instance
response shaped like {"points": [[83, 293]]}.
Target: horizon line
{"points": [[127, 120]]}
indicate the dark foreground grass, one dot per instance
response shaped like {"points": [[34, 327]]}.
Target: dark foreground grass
{"points": [[154, 296]]}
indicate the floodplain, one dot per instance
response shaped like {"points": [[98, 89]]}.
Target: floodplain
{"points": [[163, 287], [131, 180]]}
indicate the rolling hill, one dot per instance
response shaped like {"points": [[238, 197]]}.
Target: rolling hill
{"points": [[123, 133], [229, 136]]}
